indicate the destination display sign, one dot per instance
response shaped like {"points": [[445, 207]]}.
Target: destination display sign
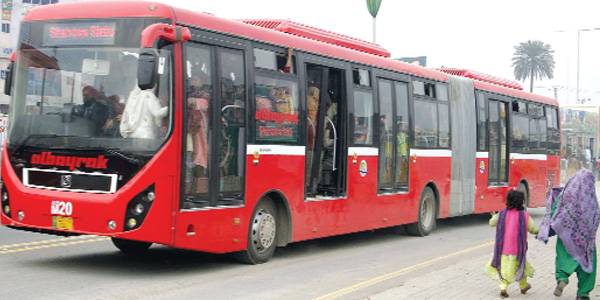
{"points": [[71, 34]]}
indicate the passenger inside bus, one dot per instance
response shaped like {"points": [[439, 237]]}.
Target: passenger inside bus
{"points": [[143, 114], [197, 137], [115, 112]]}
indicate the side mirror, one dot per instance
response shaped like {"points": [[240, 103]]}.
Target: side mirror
{"points": [[147, 65], [8, 80]]}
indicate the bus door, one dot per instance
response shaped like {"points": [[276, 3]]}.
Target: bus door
{"points": [[215, 132], [498, 130], [325, 145]]}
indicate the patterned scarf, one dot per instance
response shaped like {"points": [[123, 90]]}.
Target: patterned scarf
{"points": [[576, 218], [521, 243]]}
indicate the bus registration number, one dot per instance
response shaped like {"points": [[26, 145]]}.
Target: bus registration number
{"points": [[61, 215], [61, 208]]}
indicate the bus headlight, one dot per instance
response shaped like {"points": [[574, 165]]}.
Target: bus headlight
{"points": [[138, 208], [131, 223]]}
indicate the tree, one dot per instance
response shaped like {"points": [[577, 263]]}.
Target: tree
{"points": [[373, 7], [533, 59]]}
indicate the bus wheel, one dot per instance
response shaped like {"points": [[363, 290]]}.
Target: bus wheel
{"points": [[261, 235], [427, 214], [523, 188], [130, 247]]}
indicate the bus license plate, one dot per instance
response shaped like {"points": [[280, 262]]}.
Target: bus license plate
{"points": [[62, 223]]}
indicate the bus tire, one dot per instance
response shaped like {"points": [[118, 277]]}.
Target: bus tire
{"points": [[130, 247], [262, 235], [426, 221], [523, 188]]}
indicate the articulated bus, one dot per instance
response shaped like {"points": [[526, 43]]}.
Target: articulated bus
{"points": [[153, 124]]}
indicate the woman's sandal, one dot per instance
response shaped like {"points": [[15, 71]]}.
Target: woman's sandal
{"points": [[525, 289], [560, 286]]}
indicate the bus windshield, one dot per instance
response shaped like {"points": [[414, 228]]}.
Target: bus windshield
{"points": [[84, 98]]}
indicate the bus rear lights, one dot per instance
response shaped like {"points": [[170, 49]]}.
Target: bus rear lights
{"points": [[138, 208], [20, 215], [5, 203], [112, 225]]}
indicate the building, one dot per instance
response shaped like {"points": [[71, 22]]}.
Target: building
{"points": [[12, 12]]}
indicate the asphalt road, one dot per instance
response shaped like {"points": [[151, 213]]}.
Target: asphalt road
{"points": [[38, 266]]}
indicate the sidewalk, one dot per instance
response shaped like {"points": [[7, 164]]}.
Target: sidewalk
{"points": [[466, 279]]}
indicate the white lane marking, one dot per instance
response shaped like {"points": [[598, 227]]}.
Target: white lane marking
{"points": [[376, 280]]}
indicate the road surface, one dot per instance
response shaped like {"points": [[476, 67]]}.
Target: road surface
{"points": [[356, 266]]}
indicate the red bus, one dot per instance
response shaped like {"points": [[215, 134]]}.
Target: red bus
{"points": [[153, 124]]}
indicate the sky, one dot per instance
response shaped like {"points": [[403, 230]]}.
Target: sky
{"points": [[478, 35]]}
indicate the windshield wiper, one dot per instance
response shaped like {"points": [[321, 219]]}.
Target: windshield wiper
{"points": [[23, 144], [113, 151]]}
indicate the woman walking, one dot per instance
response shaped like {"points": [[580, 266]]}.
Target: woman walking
{"points": [[509, 263], [573, 215]]}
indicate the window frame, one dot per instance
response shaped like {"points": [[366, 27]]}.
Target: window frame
{"points": [[374, 106], [293, 76], [417, 97], [478, 109], [393, 79], [214, 41]]}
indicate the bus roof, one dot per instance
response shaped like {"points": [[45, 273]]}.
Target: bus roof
{"points": [[123, 9]]}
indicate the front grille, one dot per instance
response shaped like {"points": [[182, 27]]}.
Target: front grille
{"points": [[70, 181]]}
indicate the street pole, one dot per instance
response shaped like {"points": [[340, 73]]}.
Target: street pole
{"points": [[374, 30], [578, 53]]}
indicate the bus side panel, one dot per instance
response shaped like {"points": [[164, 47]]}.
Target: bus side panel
{"points": [[532, 169], [434, 169], [225, 229]]}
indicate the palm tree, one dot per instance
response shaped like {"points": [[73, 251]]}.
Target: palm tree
{"points": [[533, 59]]}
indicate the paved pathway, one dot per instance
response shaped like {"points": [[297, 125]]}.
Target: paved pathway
{"points": [[466, 279]]}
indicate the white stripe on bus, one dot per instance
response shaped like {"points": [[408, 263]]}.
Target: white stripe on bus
{"points": [[275, 150], [482, 154], [363, 151], [529, 156], [431, 152]]}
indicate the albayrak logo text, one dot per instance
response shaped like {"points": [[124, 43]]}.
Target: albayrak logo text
{"points": [[72, 162]]}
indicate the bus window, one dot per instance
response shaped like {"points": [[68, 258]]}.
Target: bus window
{"points": [[233, 118], [444, 125], [199, 92], [520, 132], [386, 134], [481, 123], [276, 110], [363, 117], [402, 128], [426, 126], [393, 135], [498, 114]]}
